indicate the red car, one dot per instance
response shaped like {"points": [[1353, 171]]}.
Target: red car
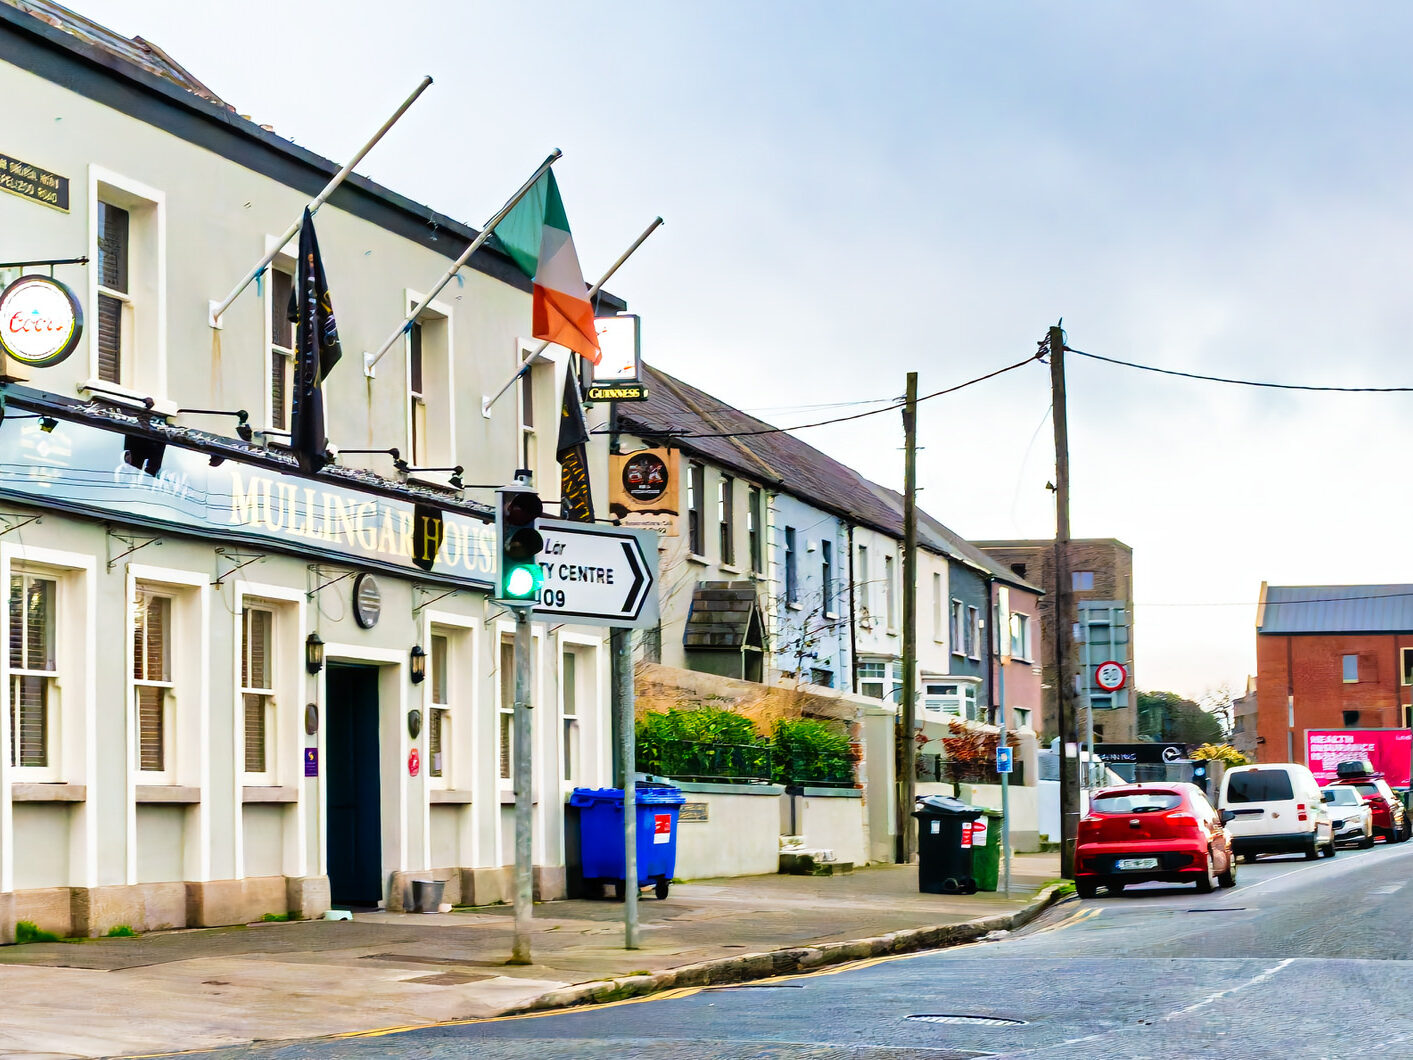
{"points": [[1390, 820], [1146, 832]]}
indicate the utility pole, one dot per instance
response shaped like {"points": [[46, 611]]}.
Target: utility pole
{"points": [[906, 707], [1064, 607]]}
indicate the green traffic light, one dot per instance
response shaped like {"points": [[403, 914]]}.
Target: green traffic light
{"points": [[521, 583]]}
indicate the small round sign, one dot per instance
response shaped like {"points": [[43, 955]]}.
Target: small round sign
{"points": [[645, 477], [40, 321], [1110, 676], [367, 600]]}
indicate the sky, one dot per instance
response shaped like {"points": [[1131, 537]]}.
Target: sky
{"points": [[853, 192]]}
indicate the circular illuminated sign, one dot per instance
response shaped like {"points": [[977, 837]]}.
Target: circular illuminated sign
{"points": [[40, 321], [1110, 676], [367, 600], [645, 477]]}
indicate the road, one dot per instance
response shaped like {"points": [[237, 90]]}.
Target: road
{"points": [[1300, 959]]}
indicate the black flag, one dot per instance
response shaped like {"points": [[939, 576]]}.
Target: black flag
{"points": [[576, 502], [316, 352]]}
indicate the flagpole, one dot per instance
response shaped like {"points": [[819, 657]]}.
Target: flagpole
{"points": [[218, 308], [370, 360], [487, 402]]}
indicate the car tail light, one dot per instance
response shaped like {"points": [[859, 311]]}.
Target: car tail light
{"points": [[1300, 812], [1181, 818]]}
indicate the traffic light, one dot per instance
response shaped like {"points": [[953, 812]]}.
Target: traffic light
{"points": [[519, 576]]}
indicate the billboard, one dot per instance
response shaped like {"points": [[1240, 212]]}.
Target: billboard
{"points": [[1388, 749]]}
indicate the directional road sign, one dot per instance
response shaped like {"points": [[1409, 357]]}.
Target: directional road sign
{"points": [[598, 575]]}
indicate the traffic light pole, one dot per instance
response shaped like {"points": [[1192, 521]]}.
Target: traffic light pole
{"points": [[524, 863], [625, 769]]}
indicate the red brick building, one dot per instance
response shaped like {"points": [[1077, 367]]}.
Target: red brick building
{"points": [[1330, 657]]}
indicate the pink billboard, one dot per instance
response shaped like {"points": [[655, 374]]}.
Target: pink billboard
{"points": [[1391, 751]]}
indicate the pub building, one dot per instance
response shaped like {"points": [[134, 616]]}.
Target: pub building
{"points": [[235, 689]]}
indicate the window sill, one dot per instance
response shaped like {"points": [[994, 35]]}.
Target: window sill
{"points": [[179, 794], [731, 568], [269, 793], [891, 632], [450, 797], [47, 791], [692, 557], [795, 607]]}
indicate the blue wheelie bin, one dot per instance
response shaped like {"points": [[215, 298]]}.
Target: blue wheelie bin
{"points": [[601, 835]]}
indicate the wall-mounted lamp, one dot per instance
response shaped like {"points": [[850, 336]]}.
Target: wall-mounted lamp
{"points": [[414, 723], [418, 658], [47, 424], [314, 653]]}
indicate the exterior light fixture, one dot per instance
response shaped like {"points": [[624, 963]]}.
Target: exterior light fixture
{"points": [[314, 653], [47, 424], [418, 658]]}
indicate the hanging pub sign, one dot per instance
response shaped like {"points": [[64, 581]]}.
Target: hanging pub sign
{"points": [[40, 321], [643, 489], [618, 375]]}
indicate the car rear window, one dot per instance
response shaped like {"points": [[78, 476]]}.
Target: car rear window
{"points": [[1137, 802], [1367, 789], [1342, 795], [1260, 785]]}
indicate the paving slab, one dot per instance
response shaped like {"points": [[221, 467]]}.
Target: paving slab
{"points": [[204, 988]]}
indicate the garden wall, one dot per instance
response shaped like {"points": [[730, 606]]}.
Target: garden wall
{"points": [[828, 819], [728, 830]]}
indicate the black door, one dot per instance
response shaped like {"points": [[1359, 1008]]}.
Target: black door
{"points": [[355, 820]]}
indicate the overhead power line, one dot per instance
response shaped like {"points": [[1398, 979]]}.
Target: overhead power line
{"points": [[1246, 382], [845, 419]]}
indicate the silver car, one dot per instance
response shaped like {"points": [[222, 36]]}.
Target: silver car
{"points": [[1351, 816]]}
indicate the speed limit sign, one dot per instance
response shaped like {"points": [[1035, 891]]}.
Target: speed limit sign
{"points": [[1110, 676]]}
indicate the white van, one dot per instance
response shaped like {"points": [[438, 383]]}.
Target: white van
{"points": [[1275, 809]]}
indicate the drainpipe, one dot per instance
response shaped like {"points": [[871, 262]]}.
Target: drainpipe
{"points": [[990, 676], [853, 614]]}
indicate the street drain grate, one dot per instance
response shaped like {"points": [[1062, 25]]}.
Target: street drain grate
{"points": [[1219, 909], [975, 1021]]}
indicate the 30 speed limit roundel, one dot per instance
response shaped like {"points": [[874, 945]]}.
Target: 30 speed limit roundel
{"points": [[40, 321], [1110, 676]]}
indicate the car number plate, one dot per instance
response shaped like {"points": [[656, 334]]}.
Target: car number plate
{"points": [[1136, 863]]}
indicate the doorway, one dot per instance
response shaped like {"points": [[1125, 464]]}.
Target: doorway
{"points": [[354, 785]]}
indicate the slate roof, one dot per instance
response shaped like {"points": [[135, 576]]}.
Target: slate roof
{"points": [[1335, 609], [137, 51], [721, 615], [681, 414]]}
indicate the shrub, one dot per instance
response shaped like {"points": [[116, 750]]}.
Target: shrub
{"points": [[708, 742], [808, 751], [28, 931], [121, 931]]}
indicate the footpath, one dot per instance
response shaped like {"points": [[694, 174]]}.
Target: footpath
{"points": [[204, 988]]}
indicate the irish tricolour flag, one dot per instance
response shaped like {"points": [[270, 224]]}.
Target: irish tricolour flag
{"points": [[536, 235]]}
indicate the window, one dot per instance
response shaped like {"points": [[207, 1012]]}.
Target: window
{"points": [[529, 447], [1259, 785], [972, 632], [1020, 636], [152, 680], [281, 349], [753, 529], [943, 698], [826, 576], [890, 601], [958, 637], [1139, 802], [115, 306], [969, 702], [1082, 581], [696, 508], [1101, 701], [871, 678], [257, 687], [1351, 669], [1018, 569], [939, 634], [1406, 665], [33, 671], [822, 678], [1351, 719], [569, 714], [439, 714], [726, 518], [1019, 718], [1407, 722], [792, 581], [865, 588], [507, 709], [416, 403]]}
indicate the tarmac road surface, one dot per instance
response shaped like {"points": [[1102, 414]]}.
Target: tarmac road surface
{"points": [[1300, 959]]}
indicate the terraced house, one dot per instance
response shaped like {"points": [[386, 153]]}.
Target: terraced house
{"points": [[236, 687]]}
